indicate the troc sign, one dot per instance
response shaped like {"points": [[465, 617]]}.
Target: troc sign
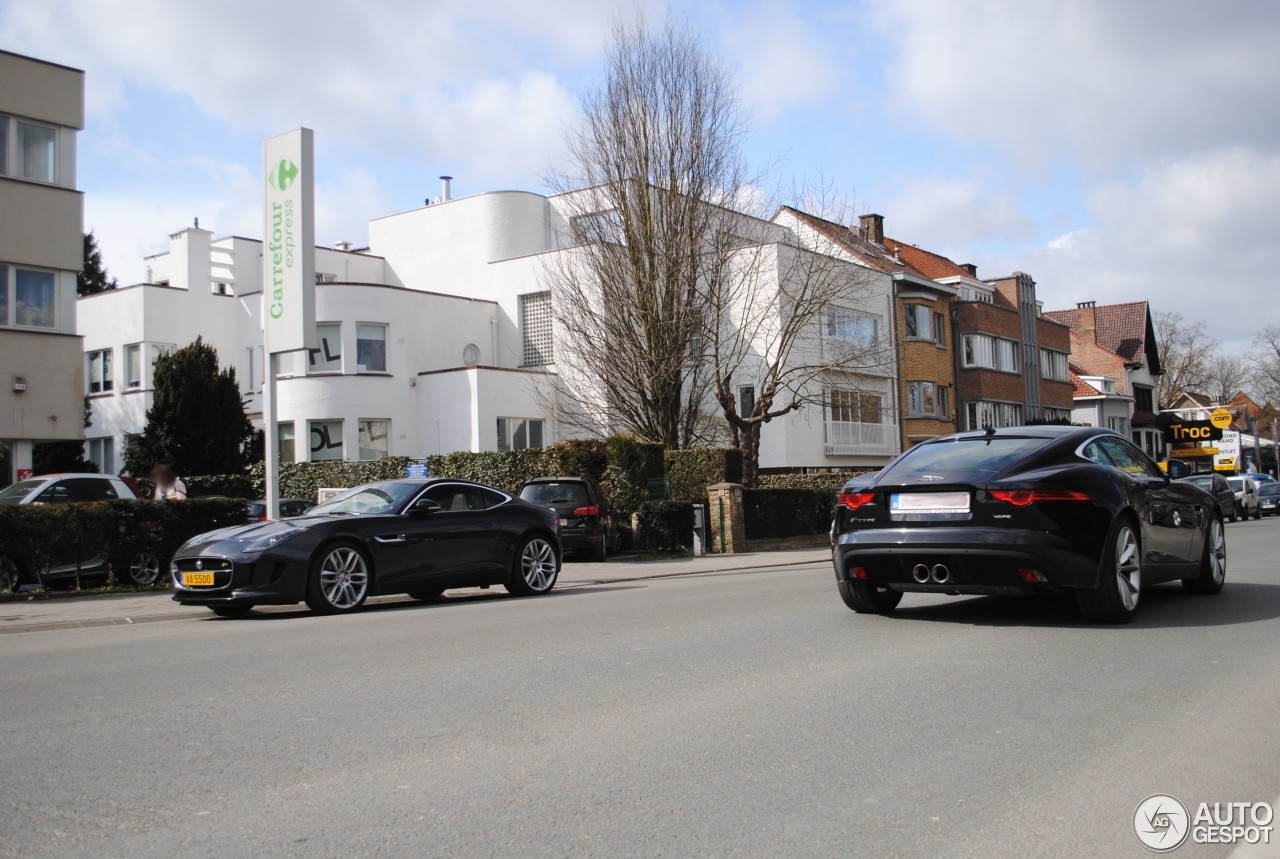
{"points": [[1182, 432], [288, 254]]}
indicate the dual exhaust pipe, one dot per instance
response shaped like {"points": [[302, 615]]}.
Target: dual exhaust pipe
{"points": [[939, 574]]}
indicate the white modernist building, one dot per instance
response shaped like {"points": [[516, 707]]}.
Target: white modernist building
{"points": [[438, 337]]}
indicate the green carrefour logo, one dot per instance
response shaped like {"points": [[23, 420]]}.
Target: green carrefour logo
{"points": [[283, 175]]}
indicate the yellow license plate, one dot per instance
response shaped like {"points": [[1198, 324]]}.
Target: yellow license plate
{"points": [[195, 580]]}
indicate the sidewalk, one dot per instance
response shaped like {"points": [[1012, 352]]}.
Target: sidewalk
{"points": [[112, 609]]}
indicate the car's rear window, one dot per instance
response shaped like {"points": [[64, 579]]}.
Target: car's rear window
{"points": [[961, 460], [568, 492], [1236, 483]]}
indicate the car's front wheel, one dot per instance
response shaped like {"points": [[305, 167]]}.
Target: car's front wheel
{"points": [[339, 580], [535, 568], [1115, 599], [866, 598], [143, 568], [1213, 562], [1257, 512]]}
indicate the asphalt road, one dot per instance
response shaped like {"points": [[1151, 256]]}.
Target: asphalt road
{"points": [[746, 714]]}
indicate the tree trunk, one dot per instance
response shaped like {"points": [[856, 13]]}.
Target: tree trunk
{"points": [[750, 447]]}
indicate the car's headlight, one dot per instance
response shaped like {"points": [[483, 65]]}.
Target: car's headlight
{"points": [[270, 541]]}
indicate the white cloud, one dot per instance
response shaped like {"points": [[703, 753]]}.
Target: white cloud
{"points": [[1194, 235], [782, 63], [1096, 80], [948, 215]]}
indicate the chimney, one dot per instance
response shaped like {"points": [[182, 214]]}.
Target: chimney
{"points": [[446, 189], [871, 228], [971, 268], [1087, 316]]}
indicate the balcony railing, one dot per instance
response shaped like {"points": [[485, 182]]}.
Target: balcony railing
{"points": [[845, 437]]}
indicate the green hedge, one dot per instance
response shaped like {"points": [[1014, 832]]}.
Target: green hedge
{"points": [[40, 536], [833, 482], [692, 471], [771, 514], [665, 526]]}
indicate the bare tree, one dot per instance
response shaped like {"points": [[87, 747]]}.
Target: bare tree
{"points": [[1265, 364], [1225, 376], [787, 320], [1185, 352], [657, 154]]}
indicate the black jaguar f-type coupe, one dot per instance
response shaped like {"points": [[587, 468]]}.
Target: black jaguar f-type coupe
{"points": [[414, 536], [1026, 510]]}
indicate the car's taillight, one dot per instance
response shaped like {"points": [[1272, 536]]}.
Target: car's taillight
{"points": [[854, 500], [589, 510], [1025, 497]]}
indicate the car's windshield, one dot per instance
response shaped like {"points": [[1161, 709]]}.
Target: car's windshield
{"points": [[1269, 489], [1236, 484], [961, 460], [18, 491], [370, 499], [568, 492]]}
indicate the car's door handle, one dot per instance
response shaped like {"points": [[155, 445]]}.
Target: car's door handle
{"points": [[398, 538]]}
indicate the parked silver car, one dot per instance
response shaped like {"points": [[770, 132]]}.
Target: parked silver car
{"points": [[1247, 501]]}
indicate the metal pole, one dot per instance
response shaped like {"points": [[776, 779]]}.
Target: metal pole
{"points": [[271, 446], [720, 499]]}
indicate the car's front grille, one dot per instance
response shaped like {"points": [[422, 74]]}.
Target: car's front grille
{"points": [[194, 573]]}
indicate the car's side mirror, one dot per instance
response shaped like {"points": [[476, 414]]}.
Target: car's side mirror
{"points": [[425, 507]]}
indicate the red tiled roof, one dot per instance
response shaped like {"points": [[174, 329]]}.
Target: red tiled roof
{"points": [[931, 265], [1122, 328], [871, 254]]}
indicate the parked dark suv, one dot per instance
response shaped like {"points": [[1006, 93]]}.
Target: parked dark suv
{"points": [[588, 521]]}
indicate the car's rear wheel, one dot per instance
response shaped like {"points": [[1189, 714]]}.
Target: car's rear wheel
{"points": [[1257, 512], [866, 598], [1213, 562], [601, 551], [230, 610], [339, 580], [427, 594], [1115, 599], [143, 568], [1235, 517], [534, 569]]}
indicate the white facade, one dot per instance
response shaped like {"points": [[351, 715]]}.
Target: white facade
{"points": [[437, 338]]}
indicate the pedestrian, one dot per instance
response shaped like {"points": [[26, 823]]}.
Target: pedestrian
{"points": [[168, 486]]}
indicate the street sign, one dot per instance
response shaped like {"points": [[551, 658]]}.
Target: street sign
{"points": [[25, 474], [417, 469], [1221, 418], [1228, 452], [1192, 452], [1189, 432], [289, 236]]}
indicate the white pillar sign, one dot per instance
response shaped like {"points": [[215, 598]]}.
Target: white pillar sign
{"points": [[288, 251]]}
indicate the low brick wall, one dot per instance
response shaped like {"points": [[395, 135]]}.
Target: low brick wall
{"points": [[803, 542]]}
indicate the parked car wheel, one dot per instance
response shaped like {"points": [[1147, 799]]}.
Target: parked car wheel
{"points": [[144, 567], [601, 552], [10, 577], [231, 610], [535, 568], [1234, 516], [339, 580], [866, 598], [1115, 599], [1213, 566], [1257, 513]]}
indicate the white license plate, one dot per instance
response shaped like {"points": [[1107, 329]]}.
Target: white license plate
{"points": [[929, 502], [564, 523]]}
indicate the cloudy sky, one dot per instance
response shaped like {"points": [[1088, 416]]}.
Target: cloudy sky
{"points": [[1116, 151]]}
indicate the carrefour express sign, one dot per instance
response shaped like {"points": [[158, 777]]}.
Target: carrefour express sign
{"points": [[288, 253]]}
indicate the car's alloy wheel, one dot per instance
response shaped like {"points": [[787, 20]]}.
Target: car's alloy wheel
{"points": [[1213, 562], [1115, 599], [144, 568], [536, 568], [339, 580], [8, 575]]}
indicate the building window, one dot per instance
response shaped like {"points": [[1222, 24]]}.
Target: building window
{"points": [[101, 373], [982, 414], [287, 449], [850, 327], [102, 453], [1051, 415], [995, 353], [133, 366], [519, 433], [326, 440], [927, 400], [1143, 399], [598, 227], [322, 277], [156, 352], [1120, 425], [535, 328], [4, 149], [222, 288], [33, 295], [374, 438], [1053, 365], [918, 319], [746, 400], [328, 358], [4, 281], [371, 348], [36, 149], [940, 330], [855, 407]]}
